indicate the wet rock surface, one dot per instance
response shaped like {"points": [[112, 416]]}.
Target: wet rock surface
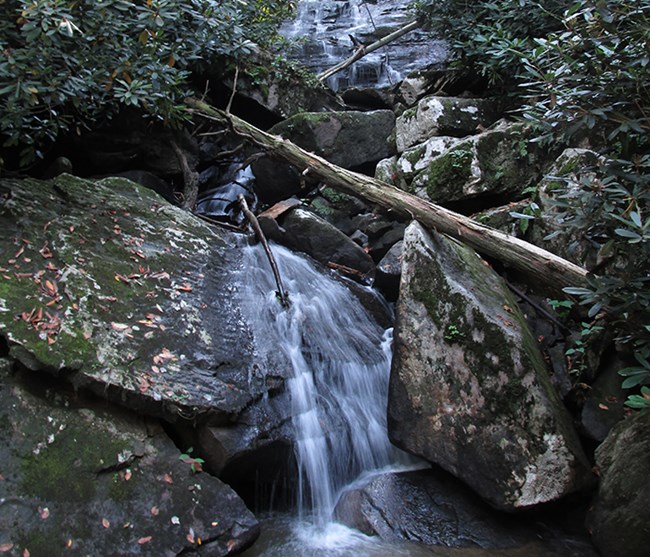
{"points": [[620, 517], [83, 477], [434, 509], [469, 389], [107, 284]]}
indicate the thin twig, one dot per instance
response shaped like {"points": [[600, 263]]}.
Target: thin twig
{"points": [[234, 90], [281, 293]]}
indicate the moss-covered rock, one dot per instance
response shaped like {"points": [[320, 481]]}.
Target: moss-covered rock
{"points": [[433, 116], [348, 139], [80, 477], [124, 294], [469, 388], [502, 160]]}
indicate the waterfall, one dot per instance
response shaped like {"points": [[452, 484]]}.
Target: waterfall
{"points": [[340, 359], [326, 31]]}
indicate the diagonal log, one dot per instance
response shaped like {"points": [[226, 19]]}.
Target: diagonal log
{"points": [[541, 266], [363, 50]]}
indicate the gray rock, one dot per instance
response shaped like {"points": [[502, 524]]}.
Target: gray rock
{"points": [[469, 389], [136, 300], [434, 509], [348, 139], [442, 116], [303, 231], [501, 160], [620, 517], [84, 478]]}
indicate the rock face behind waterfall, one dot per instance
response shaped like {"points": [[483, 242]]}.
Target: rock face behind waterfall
{"points": [[469, 389]]}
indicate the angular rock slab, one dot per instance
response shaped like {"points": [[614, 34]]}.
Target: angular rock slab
{"points": [[106, 283], [620, 517], [429, 508], [442, 116], [80, 477], [469, 389], [347, 139]]}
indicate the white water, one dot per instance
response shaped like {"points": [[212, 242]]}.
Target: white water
{"points": [[325, 27], [340, 360]]}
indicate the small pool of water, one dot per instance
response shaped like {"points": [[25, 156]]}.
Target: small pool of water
{"points": [[286, 536]]}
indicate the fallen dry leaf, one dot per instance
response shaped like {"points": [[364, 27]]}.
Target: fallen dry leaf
{"points": [[167, 478], [155, 510], [144, 540], [26, 552], [184, 287], [127, 474], [44, 512], [6, 547], [106, 523], [231, 544]]}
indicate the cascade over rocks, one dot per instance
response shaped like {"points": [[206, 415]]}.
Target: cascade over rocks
{"points": [[619, 520], [304, 231], [469, 390], [85, 478]]}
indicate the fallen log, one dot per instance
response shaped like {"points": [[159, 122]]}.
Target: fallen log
{"points": [[363, 50], [539, 265]]}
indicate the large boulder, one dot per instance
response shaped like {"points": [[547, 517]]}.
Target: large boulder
{"points": [[434, 115], [81, 477], [469, 389], [501, 160], [107, 285], [428, 507], [620, 517], [434, 509], [304, 231], [348, 139]]}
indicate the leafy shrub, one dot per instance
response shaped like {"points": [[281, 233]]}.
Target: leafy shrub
{"points": [[582, 69], [485, 36], [67, 63]]}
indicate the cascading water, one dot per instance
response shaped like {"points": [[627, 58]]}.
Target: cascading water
{"points": [[340, 360], [330, 30]]}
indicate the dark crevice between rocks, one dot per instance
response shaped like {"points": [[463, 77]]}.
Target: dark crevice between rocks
{"points": [[4, 347], [468, 207]]}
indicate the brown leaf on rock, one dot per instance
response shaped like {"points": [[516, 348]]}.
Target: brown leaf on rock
{"points": [[155, 511], [167, 478], [144, 540], [5, 547], [105, 523]]}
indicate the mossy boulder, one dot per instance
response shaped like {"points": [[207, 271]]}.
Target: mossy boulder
{"points": [[81, 477], [109, 284], [434, 115], [619, 519], [502, 160], [469, 389], [400, 170], [348, 139]]}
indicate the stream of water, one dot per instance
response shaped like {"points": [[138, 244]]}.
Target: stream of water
{"points": [[340, 364]]}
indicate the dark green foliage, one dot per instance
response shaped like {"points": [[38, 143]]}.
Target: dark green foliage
{"points": [[66, 63], [581, 70], [485, 36]]}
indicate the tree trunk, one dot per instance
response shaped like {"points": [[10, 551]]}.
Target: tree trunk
{"points": [[541, 266], [363, 50]]}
